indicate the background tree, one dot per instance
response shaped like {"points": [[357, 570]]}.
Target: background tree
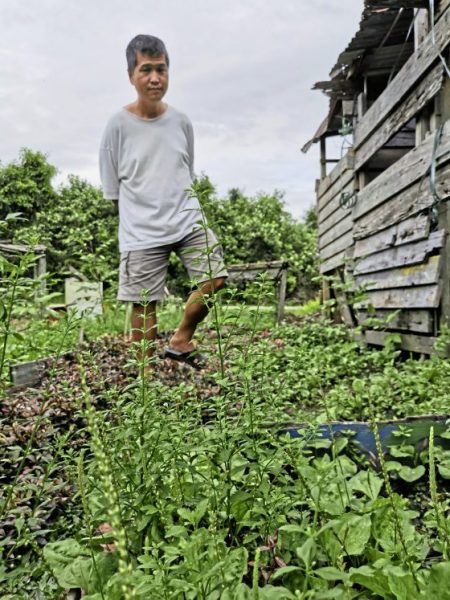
{"points": [[79, 227]]}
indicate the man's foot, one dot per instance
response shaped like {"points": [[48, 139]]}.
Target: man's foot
{"points": [[180, 344], [193, 358]]}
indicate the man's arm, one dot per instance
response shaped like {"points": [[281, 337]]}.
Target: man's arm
{"points": [[109, 168]]}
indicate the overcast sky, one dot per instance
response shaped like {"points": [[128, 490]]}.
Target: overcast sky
{"points": [[241, 69]]}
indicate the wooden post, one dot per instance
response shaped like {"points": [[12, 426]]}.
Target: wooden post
{"points": [[444, 220], [41, 270], [281, 295], [323, 157], [361, 105], [421, 30]]}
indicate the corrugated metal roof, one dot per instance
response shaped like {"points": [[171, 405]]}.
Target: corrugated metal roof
{"points": [[379, 45]]}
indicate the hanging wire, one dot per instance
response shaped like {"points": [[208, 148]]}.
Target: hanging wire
{"points": [[400, 54]]}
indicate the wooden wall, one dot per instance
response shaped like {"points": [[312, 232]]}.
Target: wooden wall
{"points": [[391, 236]]}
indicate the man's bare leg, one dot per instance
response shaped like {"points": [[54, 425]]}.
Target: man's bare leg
{"points": [[143, 326], [194, 313]]}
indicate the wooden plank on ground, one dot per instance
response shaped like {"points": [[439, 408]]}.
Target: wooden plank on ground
{"points": [[420, 321], [422, 274], [413, 70], [337, 246], [417, 99], [346, 163], [407, 203], [412, 167], [410, 230], [344, 226], [412, 343], [423, 296], [408, 254]]}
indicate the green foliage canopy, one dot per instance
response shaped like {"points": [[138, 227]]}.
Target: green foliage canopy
{"points": [[79, 226]]}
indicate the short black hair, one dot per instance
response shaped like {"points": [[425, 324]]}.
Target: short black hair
{"points": [[146, 44]]}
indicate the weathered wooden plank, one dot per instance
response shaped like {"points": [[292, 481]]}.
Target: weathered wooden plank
{"points": [[420, 321], [402, 174], [337, 246], [408, 254], [419, 97], [403, 277], [339, 260], [410, 73], [410, 230], [251, 275], [443, 5], [345, 164], [333, 192], [336, 232], [409, 342], [334, 204], [407, 203], [336, 217], [424, 296]]}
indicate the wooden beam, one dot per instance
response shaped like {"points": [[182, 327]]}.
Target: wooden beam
{"points": [[420, 320], [343, 227], [410, 230], [424, 296], [401, 256], [281, 293], [323, 157], [346, 163], [413, 70], [418, 98], [337, 245], [412, 167], [427, 273], [333, 196], [421, 26], [411, 343], [405, 204], [339, 260]]}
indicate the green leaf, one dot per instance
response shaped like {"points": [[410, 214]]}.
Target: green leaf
{"points": [[368, 483], [444, 469], [279, 573], [331, 574], [354, 532], [439, 582], [371, 580], [411, 474], [307, 552], [401, 583]]}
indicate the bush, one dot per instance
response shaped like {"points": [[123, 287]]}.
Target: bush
{"points": [[79, 226]]}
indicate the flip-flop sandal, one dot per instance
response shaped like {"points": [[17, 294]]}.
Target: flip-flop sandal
{"points": [[194, 358]]}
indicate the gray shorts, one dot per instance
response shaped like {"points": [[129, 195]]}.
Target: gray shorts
{"points": [[143, 272]]}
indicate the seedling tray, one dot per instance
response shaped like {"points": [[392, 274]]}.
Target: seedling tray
{"points": [[412, 430]]}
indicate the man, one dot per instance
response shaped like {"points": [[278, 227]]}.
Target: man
{"points": [[147, 166]]}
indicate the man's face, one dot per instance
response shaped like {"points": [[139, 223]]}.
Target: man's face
{"points": [[150, 77]]}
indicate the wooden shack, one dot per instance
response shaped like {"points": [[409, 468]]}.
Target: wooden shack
{"points": [[383, 213]]}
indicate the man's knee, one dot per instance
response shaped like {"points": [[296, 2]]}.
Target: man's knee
{"points": [[213, 285], [219, 282], [144, 307]]}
